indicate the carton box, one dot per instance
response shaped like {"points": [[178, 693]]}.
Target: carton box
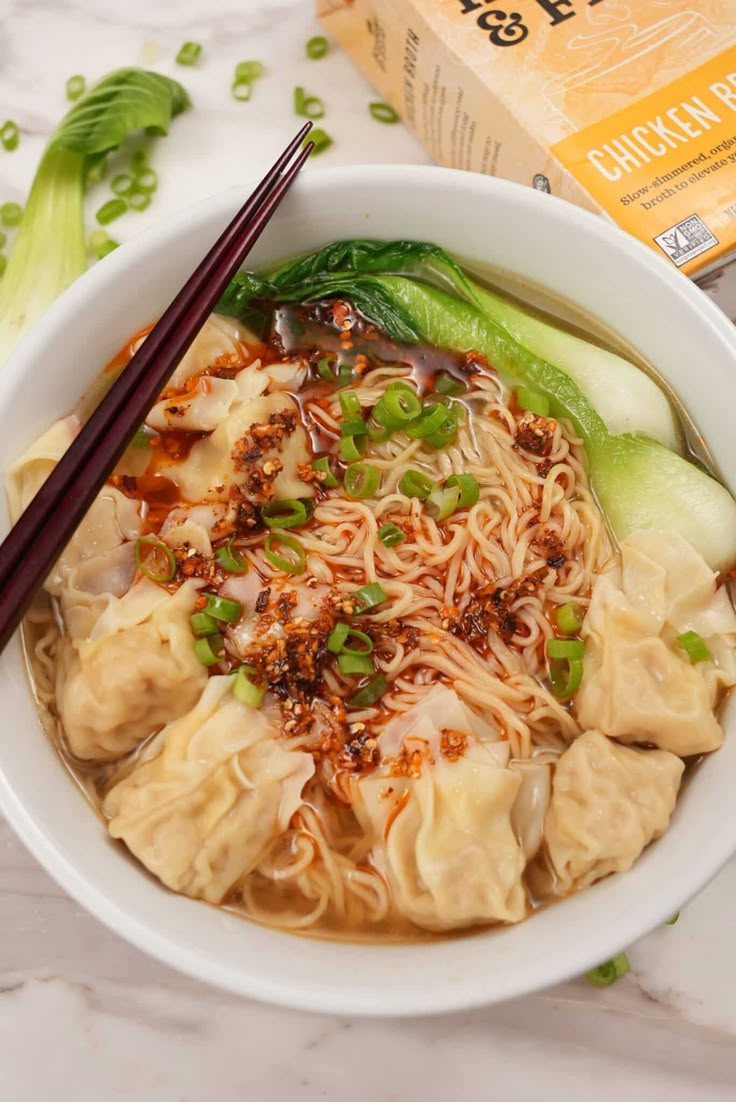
{"points": [[625, 107]]}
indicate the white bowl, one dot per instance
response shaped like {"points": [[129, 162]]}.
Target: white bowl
{"points": [[554, 245]]}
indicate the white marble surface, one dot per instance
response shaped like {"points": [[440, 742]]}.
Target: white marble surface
{"points": [[83, 1015]]}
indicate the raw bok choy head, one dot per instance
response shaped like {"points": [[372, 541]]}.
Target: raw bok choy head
{"points": [[414, 291], [49, 252]]}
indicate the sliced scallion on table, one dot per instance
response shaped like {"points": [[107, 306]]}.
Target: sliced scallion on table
{"points": [[11, 214], [248, 70], [9, 136], [317, 47], [242, 90], [122, 184], [322, 141], [110, 211], [75, 87], [139, 200], [383, 112], [308, 107], [606, 974], [189, 53]]}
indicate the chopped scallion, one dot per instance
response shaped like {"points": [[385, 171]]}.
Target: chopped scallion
{"points": [[565, 648], [673, 920], [390, 535], [140, 440], [210, 650], [350, 403], [415, 484], [443, 501], [223, 609], [296, 563], [565, 676], [448, 386], [11, 214], [469, 489], [321, 141], [352, 448], [111, 210], [337, 637], [398, 408], [242, 90], [139, 200], [569, 618], [203, 624], [355, 426], [361, 481], [248, 70], [326, 369], [75, 87], [189, 53], [122, 184], [231, 559], [317, 47], [146, 180], [245, 689], [368, 694], [608, 973], [694, 646], [288, 513], [159, 550], [322, 466], [10, 136], [355, 664], [383, 112], [368, 596], [308, 107]]}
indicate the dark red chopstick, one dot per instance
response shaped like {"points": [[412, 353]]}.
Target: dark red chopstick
{"points": [[43, 531]]}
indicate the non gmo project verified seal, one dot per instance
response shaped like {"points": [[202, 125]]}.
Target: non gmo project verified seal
{"points": [[686, 240]]}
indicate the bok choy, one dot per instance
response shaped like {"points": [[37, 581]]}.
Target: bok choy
{"points": [[50, 252], [416, 292]]}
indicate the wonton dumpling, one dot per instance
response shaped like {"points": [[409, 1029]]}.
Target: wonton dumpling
{"points": [[608, 803], [208, 403], [444, 839], [208, 471], [639, 684], [200, 814], [137, 671], [220, 343], [27, 475]]}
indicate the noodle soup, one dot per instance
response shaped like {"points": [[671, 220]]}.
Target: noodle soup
{"points": [[365, 635]]}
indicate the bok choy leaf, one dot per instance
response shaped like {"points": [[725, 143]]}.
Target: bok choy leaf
{"points": [[49, 251]]}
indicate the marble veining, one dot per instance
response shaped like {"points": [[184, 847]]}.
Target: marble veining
{"points": [[85, 1016]]}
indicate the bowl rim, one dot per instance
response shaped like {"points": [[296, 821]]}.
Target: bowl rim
{"points": [[199, 964]]}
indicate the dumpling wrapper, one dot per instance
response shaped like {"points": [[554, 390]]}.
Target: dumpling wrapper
{"points": [[135, 672], [208, 403], [444, 840], [200, 814], [208, 471], [639, 685], [608, 803], [27, 475], [221, 342]]}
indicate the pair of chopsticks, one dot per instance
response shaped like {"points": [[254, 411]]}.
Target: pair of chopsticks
{"points": [[45, 528]]}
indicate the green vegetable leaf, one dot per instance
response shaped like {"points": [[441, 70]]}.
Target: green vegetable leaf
{"points": [[123, 101]]}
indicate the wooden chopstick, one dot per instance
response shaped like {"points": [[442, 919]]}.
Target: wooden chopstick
{"points": [[42, 532]]}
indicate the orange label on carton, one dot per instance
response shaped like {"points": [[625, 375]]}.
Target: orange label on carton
{"points": [[664, 168]]}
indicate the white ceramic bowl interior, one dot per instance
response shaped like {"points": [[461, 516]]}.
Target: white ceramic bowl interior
{"points": [[549, 242]]}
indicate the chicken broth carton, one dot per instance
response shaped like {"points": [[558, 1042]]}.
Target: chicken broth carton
{"points": [[625, 107]]}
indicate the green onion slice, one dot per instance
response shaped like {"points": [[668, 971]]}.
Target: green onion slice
{"points": [[378, 433], [694, 645], [608, 973], [398, 408], [469, 489], [111, 210], [431, 420], [345, 373], [75, 87], [533, 402], [326, 369], [352, 447], [353, 426], [368, 694], [139, 160], [350, 404], [248, 70], [368, 596], [10, 136], [245, 689], [442, 502], [100, 245], [296, 564], [673, 920], [352, 664], [223, 609], [146, 180], [203, 624], [122, 184], [289, 513], [448, 386], [569, 618], [231, 559], [139, 200], [565, 676], [447, 431], [565, 648], [337, 637], [321, 141], [140, 440], [383, 112], [189, 53], [317, 47], [415, 484], [308, 107], [159, 548], [11, 214], [242, 90], [390, 535], [361, 481], [323, 466], [210, 650]]}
